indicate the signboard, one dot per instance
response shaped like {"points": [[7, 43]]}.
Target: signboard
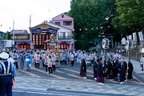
{"points": [[140, 36]]}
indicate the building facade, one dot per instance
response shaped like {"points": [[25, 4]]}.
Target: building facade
{"points": [[2, 42], [64, 21], [41, 36], [21, 39]]}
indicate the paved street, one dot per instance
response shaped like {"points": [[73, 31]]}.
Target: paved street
{"points": [[67, 82]]}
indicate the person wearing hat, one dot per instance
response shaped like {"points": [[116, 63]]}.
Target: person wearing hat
{"points": [[7, 73]]}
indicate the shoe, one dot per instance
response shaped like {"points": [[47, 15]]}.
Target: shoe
{"points": [[101, 84], [121, 82], [84, 77], [95, 78]]}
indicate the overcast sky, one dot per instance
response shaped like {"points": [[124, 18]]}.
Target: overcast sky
{"points": [[20, 10]]}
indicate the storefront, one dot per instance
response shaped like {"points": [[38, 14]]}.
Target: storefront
{"points": [[23, 45]]}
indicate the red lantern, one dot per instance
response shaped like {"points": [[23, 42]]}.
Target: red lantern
{"points": [[115, 25], [108, 26], [101, 27], [133, 28], [96, 27], [121, 24], [86, 29], [129, 26], [80, 29], [1, 25], [9, 27], [91, 28], [73, 29], [137, 29], [142, 42]]}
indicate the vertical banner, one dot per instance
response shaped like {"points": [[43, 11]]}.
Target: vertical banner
{"points": [[127, 37], [130, 37], [134, 36], [140, 36]]}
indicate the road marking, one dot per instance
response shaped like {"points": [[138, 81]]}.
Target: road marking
{"points": [[70, 70], [29, 73], [79, 77], [137, 79], [48, 74]]}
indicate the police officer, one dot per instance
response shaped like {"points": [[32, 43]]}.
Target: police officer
{"points": [[7, 72]]}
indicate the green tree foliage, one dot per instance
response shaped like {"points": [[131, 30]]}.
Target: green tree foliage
{"points": [[131, 15], [89, 14]]}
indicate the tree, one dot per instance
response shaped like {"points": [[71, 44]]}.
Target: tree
{"points": [[131, 13], [88, 15]]}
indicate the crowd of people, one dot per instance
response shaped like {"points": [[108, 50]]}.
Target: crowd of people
{"points": [[111, 66]]}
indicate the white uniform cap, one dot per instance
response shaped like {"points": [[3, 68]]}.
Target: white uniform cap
{"points": [[4, 55]]}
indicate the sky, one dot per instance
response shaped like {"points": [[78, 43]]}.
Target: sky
{"points": [[19, 11]]}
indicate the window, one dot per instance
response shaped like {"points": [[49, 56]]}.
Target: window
{"points": [[62, 16], [57, 23], [67, 23]]}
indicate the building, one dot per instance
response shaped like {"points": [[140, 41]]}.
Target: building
{"points": [[41, 33], [21, 39], [64, 21], [2, 42]]}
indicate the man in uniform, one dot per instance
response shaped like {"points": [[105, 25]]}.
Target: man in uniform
{"points": [[7, 72]]}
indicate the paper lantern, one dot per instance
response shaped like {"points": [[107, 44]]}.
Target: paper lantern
{"points": [[73, 29], [129, 26], [115, 25], [96, 27], [86, 29], [23, 30], [108, 26], [137, 29], [101, 27], [133, 28], [9, 27], [91, 28], [80, 29], [16, 29], [121, 24], [1, 25]]}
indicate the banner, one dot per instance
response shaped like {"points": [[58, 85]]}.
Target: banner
{"points": [[130, 37], [140, 36], [123, 41], [134, 36]]}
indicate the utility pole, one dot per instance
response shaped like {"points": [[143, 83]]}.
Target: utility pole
{"points": [[31, 46], [13, 34], [30, 21]]}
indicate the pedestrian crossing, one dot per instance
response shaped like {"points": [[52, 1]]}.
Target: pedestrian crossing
{"points": [[69, 74]]}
